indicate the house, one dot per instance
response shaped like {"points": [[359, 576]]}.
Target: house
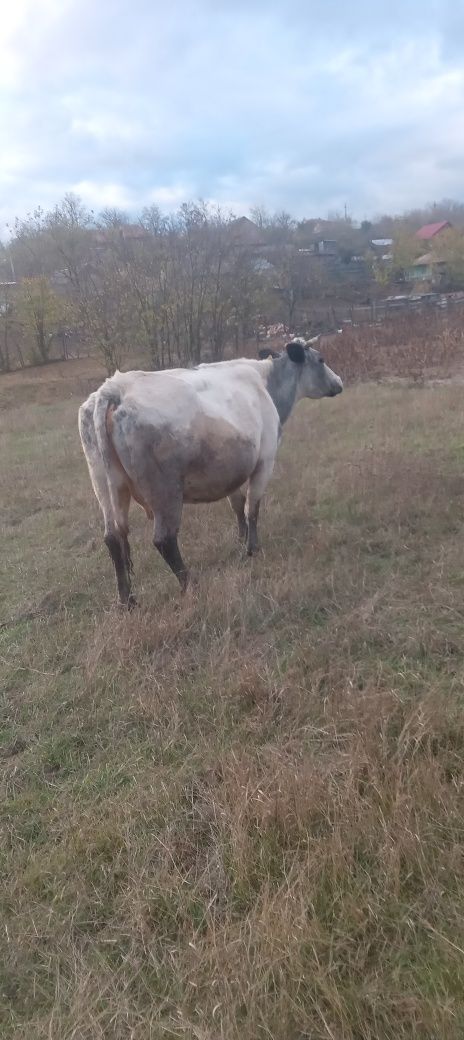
{"points": [[427, 268], [312, 232], [308, 226], [322, 247], [244, 232], [104, 237], [382, 249], [323, 228], [429, 231], [327, 247]]}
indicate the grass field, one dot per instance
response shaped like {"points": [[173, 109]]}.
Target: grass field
{"points": [[239, 814]]}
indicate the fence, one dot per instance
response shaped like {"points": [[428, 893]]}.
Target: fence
{"points": [[378, 311]]}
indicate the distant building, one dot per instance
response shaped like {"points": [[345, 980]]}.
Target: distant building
{"points": [[427, 268], [310, 232], [322, 247], [308, 226], [429, 231], [103, 237], [327, 247], [323, 228], [244, 232]]}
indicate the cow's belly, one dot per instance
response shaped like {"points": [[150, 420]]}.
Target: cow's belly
{"points": [[217, 470]]}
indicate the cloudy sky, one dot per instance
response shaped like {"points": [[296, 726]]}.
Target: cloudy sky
{"points": [[297, 104]]}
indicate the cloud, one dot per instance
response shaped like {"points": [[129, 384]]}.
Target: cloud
{"points": [[104, 195], [297, 105]]}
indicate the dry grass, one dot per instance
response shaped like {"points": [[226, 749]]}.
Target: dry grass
{"points": [[239, 814], [414, 347]]}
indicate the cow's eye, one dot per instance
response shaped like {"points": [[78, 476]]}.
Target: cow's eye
{"points": [[321, 360]]}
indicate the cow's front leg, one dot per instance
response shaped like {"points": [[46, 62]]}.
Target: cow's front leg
{"points": [[256, 488], [166, 529], [237, 503]]}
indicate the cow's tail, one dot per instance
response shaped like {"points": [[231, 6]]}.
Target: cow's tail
{"points": [[109, 481], [107, 396], [106, 473]]}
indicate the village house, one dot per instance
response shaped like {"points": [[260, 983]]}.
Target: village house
{"points": [[429, 267]]}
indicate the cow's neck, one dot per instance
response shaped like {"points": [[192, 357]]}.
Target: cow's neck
{"points": [[282, 386]]}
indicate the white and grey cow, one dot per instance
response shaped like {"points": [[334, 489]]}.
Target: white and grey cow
{"points": [[192, 435]]}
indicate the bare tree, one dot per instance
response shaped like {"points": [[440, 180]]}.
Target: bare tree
{"points": [[40, 313], [260, 216], [7, 325], [31, 248]]}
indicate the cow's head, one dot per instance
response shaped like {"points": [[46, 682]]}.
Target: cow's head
{"points": [[315, 378]]}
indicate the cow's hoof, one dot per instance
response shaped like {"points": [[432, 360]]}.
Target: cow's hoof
{"points": [[191, 586], [129, 605]]}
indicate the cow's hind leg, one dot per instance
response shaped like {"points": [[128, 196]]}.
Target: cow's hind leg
{"points": [[256, 488], [237, 502], [117, 542], [114, 506], [159, 488]]}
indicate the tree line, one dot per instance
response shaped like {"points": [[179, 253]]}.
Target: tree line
{"points": [[167, 288], [183, 287]]}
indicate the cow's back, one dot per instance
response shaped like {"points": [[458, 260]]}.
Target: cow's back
{"points": [[184, 400]]}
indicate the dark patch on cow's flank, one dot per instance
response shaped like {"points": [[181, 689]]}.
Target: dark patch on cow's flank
{"points": [[220, 461]]}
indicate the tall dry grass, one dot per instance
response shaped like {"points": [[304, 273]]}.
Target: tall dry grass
{"points": [[416, 347], [239, 814]]}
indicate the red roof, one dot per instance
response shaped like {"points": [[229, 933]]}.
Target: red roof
{"points": [[430, 230]]}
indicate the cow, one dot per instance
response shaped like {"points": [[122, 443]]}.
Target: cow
{"points": [[192, 435]]}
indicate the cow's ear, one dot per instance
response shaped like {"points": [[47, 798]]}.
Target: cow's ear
{"points": [[266, 353], [296, 352]]}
